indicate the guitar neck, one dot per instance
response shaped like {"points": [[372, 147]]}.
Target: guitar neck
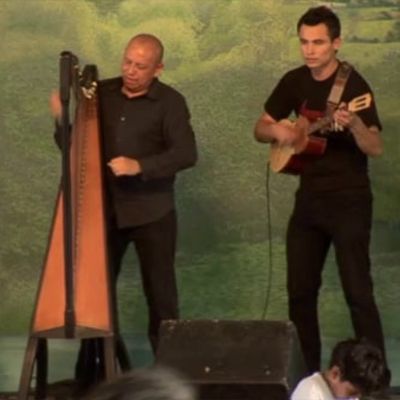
{"points": [[317, 125], [358, 103]]}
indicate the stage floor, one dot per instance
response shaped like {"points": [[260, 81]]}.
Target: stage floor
{"points": [[13, 396], [62, 391]]}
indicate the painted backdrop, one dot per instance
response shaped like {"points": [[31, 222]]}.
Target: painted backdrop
{"points": [[225, 56]]}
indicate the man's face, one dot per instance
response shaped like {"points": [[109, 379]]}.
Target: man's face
{"points": [[140, 65], [317, 48]]}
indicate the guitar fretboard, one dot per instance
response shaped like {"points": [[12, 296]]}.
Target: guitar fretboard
{"points": [[317, 125]]}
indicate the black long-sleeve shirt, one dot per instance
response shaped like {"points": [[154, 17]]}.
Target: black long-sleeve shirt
{"points": [[155, 130]]}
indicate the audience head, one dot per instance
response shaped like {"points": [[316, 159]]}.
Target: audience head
{"points": [[145, 384], [356, 367]]}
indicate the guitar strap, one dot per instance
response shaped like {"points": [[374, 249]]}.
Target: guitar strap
{"points": [[338, 86]]}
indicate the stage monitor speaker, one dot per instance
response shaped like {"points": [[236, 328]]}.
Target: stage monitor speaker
{"points": [[256, 360]]}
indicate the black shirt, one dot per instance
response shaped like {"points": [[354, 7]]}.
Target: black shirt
{"points": [[155, 130], [343, 165]]}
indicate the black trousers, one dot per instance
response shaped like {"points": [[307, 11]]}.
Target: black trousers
{"points": [[155, 245], [319, 220]]}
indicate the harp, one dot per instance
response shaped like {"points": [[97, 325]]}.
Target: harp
{"points": [[74, 296]]}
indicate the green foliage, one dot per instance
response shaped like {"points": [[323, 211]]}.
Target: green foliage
{"points": [[106, 6], [371, 31], [394, 34]]}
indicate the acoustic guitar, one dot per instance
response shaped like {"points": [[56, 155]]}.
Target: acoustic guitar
{"points": [[291, 159]]}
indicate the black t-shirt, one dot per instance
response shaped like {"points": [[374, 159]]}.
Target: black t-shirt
{"points": [[343, 165]]}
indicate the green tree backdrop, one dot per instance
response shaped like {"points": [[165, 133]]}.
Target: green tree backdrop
{"points": [[225, 56]]}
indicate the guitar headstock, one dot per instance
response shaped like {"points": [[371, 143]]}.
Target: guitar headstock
{"points": [[360, 103]]}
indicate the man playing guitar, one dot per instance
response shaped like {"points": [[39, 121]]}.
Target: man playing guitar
{"points": [[334, 201]]}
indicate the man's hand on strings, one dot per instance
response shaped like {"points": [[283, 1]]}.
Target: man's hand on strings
{"points": [[121, 166], [286, 133], [292, 134], [344, 118]]}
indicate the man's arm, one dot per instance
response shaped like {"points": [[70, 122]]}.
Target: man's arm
{"points": [[368, 139], [268, 130], [264, 131], [180, 150]]}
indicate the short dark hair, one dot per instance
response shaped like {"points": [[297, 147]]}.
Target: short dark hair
{"points": [[321, 15], [361, 363]]}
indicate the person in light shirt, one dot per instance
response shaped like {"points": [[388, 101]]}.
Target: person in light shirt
{"points": [[357, 368]]}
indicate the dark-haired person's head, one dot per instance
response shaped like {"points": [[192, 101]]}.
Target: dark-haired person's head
{"points": [[319, 34], [321, 15], [356, 367]]}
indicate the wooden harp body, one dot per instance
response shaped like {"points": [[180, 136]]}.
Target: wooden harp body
{"points": [[90, 284], [74, 298]]}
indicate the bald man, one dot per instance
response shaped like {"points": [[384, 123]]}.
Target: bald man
{"points": [[147, 139]]}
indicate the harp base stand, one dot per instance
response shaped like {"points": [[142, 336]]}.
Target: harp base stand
{"points": [[37, 353]]}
